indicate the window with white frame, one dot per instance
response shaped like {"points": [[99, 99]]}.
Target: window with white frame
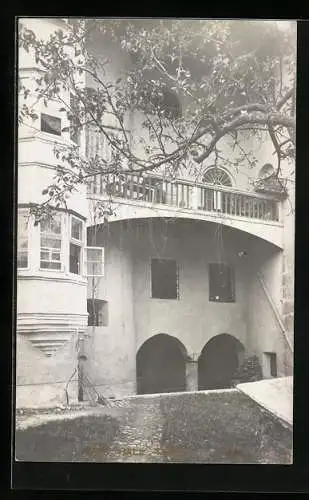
{"points": [[76, 243], [51, 243], [22, 240], [95, 261]]}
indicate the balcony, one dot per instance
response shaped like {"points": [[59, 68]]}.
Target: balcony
{"points": [[139, 196]]}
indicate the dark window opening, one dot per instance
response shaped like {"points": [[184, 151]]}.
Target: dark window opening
{"points": [[50, 124], [272, 363], [97, 312], [170, 105], [221, 283], [164, 279], [164, 101], [75, 258]]}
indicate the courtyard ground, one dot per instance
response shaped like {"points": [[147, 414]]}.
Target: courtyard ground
{"points": [[205, 427]]}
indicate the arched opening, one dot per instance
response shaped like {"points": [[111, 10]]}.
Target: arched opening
{"points": [[217, 176], [218, 362], [160, 365]]}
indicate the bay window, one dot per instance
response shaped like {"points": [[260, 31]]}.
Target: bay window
{"points": [[22, 240], [51, 243]]}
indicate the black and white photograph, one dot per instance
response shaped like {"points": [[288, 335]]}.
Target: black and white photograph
{"points": [[155, 240]]}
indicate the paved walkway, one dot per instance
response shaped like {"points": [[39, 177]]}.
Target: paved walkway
{"points": [[276, 395], [139, 437]]}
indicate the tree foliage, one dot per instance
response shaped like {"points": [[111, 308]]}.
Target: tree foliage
{"points": [[195, 83]]}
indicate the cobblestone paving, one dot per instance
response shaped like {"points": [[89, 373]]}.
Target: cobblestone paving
{"points": [[218, 427], [139, 437]]}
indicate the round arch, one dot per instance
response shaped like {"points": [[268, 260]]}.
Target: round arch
{"points": [[218, 176], [161, 365], [218, 362]]}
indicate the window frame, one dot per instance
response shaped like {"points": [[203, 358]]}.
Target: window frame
{"points": [[22, 212], [50, 249], [102, 262], [76, 242], [176, 282], [232, 286]]}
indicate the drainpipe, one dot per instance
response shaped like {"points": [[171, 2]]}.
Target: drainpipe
{"points": [[275, 310]]}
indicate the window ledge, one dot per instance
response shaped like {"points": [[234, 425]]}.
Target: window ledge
{"points": [[52, 276]]}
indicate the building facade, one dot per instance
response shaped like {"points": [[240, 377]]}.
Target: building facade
{"points": [[185, 283]]}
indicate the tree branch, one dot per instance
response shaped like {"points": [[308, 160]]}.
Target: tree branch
{"points": [[244, 120]]}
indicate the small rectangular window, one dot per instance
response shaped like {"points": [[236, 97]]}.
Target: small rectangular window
{"points": [[97, 312], [221, 283], [50, 255], [50, 124], [270, 364], [164, 279], [95, 261], [22, 240]]}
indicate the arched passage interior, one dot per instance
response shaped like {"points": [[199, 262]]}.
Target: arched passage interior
{"points": [[218, 362], [160, 365]]}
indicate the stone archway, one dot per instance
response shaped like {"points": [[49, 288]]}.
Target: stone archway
{"points": [[218, 362], [161, 365]]}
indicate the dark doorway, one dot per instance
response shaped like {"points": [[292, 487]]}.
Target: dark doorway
{"points": [[218, 362], [160, 365]]}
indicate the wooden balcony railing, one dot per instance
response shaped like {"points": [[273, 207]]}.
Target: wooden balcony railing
{"points": [[186, 194]]}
